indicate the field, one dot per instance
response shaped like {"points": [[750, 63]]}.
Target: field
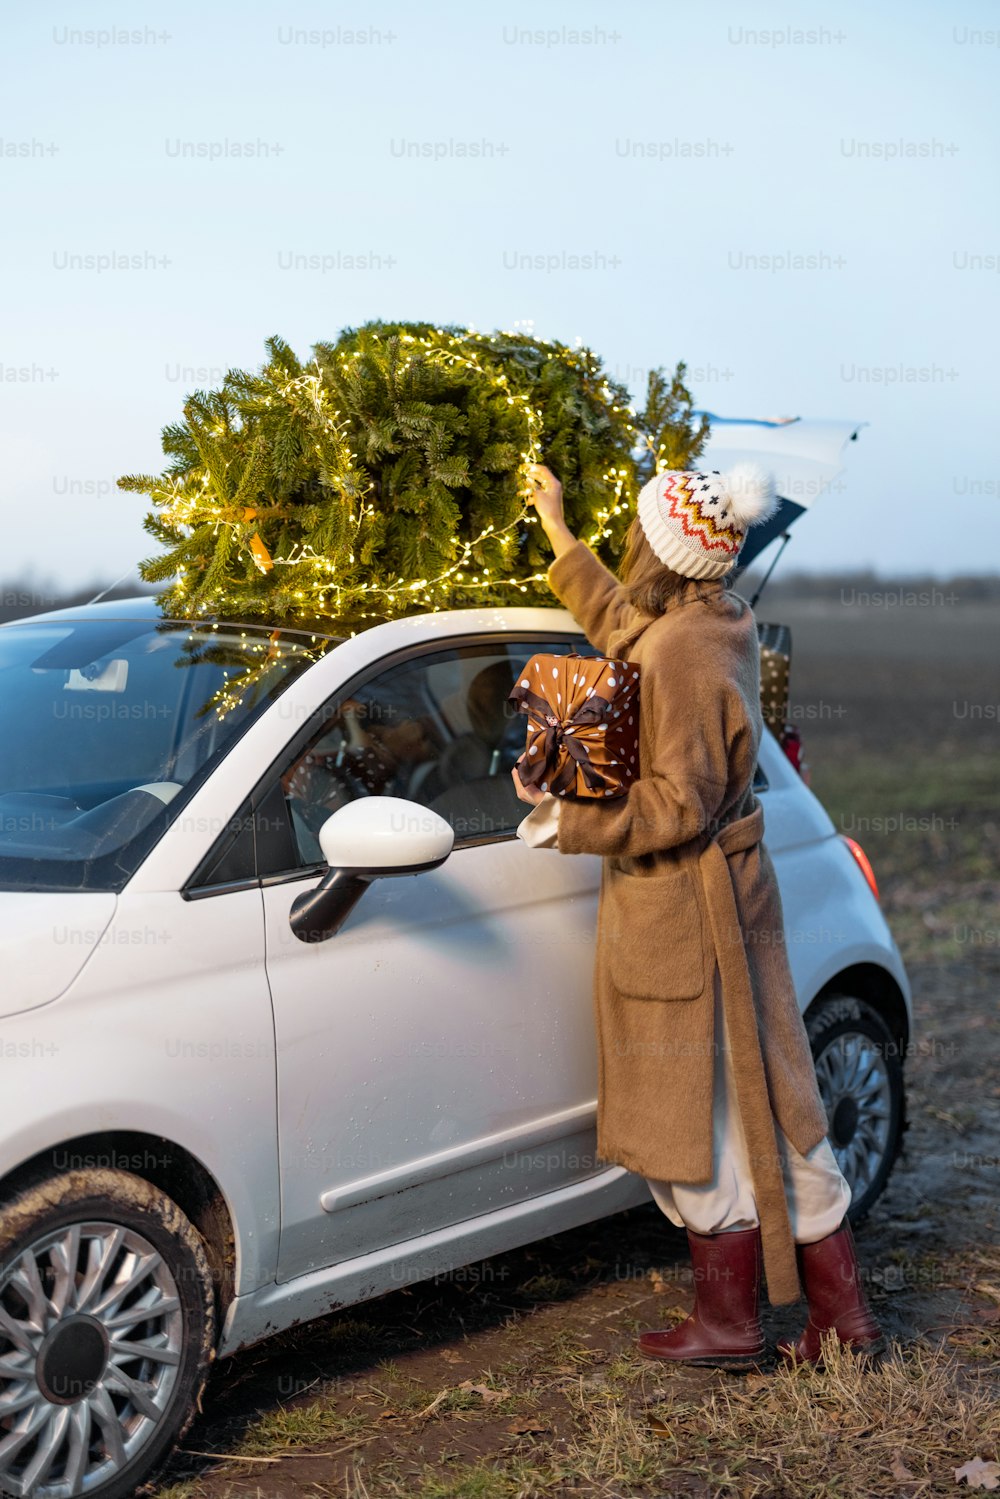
{"points": [[517, 1377]]}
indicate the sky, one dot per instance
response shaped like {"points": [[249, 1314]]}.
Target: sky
{"points": [[800, 202]]}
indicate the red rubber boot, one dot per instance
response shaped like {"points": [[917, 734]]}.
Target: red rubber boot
{"points": [[832, 1282], [723, 1331]]}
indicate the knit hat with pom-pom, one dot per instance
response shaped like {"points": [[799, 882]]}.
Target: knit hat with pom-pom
{"points": [[696, 523]]}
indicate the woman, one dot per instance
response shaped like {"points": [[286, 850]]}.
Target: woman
{"points": [[706, 1081]]}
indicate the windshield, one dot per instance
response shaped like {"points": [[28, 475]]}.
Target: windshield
{"points": [[109, 725]]}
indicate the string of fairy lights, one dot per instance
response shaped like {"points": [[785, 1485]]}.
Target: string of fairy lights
{"points": [[272, 653], [317, 586]]}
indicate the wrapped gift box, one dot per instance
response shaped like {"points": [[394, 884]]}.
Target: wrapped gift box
{"points": [[583, 724]]}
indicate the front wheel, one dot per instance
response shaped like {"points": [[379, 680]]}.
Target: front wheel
{"points": [[860, 1074], [107, 1330]]}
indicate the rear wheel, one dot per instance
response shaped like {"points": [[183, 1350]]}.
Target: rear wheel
{"points": [[860, 1074], [107, 1327]]}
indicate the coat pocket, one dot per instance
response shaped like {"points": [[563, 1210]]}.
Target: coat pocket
{"points": [[652, 928]]}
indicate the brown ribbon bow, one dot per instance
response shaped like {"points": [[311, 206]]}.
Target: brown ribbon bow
{"points": [[560, 732]]}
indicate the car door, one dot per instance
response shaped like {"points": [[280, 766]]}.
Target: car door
{"points": [[436, 1056]]}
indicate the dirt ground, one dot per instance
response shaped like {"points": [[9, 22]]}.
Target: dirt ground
{"points": [[517, 1377]]}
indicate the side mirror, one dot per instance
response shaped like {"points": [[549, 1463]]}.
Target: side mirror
{"points": [[368, 838]]}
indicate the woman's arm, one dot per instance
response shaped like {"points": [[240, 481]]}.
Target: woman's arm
{"points": [[577, 576], [592, 594]]}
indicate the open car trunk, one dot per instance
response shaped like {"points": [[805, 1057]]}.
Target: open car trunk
{"points": [[805, 457]]}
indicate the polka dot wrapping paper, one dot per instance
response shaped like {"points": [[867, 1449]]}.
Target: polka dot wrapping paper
{"points": [[583, 725]]}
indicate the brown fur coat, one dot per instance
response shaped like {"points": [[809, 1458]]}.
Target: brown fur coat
{"points": [[687, 886]]}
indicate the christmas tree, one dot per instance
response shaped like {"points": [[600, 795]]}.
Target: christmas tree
{"points": [[388, 475]]}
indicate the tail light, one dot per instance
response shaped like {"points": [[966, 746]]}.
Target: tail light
{"points": [[864, 864], [791, 742]]}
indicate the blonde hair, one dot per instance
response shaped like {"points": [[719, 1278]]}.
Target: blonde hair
{"points": [[650, 584]]}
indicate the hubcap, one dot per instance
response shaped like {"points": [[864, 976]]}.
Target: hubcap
{"points": [[854, 1085], [91, 1332], [845, 1121], [71, 1360]]}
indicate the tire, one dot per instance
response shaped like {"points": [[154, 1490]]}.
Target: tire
{"points": [[860, 1074], [82, 1256]]}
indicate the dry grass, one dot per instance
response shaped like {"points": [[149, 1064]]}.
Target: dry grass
{"points": [[291, 1428], [563, 1417], [901, 1427], [847, 1430]]}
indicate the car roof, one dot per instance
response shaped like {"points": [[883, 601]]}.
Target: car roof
{"points": [[145, 606], [482, 617]]}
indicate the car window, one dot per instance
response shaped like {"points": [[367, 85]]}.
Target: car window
{"points": [[110, 725], [436, 729]]}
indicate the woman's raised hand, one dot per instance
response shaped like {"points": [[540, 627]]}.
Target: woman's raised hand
{"points": [[545, 493], [547, 497]]}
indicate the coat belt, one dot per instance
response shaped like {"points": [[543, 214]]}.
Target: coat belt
{"points": [[750, 1078]]}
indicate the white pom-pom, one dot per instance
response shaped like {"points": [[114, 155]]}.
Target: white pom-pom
{"points": [[750, 489]]}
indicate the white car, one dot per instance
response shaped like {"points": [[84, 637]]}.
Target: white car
{"points": [[248, 1075]]}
